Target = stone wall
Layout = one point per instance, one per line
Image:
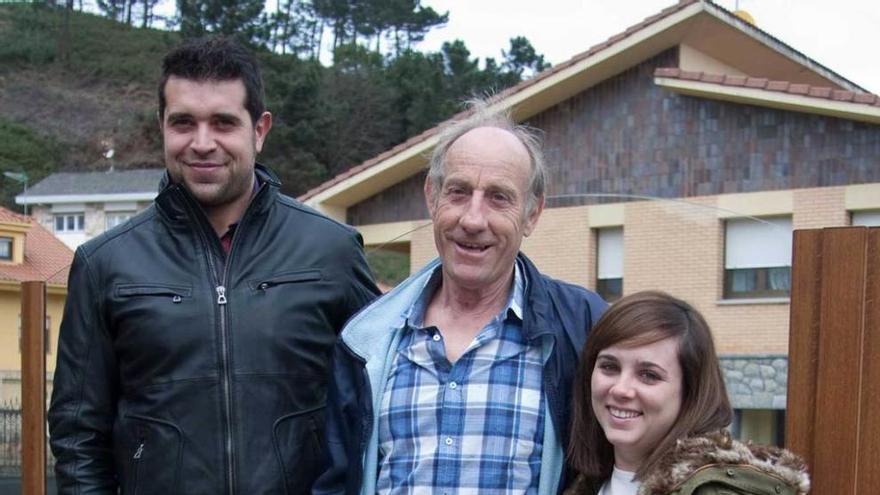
(756, 382)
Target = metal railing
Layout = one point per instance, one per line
(10, 439)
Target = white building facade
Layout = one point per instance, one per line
(77, 206)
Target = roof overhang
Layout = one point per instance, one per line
(764, 98)
(15, 286)
(18, 227)
(23, 199)
(701, 25)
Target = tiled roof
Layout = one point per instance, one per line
(46, 258)
(762, 83)
(647, 22)
(11, 216)
(102, 182)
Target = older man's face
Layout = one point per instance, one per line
(479, 212)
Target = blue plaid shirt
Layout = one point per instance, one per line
(473, 427)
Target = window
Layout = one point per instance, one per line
(866, 218)
(609, 258)
(118, 218)
(6, 248)
(765, 426)
(70, 222)
(757, 258)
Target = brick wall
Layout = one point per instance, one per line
(676, 246)
(819, 207)
(422, 249)
(562, 245)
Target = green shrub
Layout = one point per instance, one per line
(389, 266)
(22, 150)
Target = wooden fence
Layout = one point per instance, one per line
(833, 413)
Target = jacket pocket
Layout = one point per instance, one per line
(154, 457)
(293, 277)
(175, 292)
(299, 445)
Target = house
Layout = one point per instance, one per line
(28, 251)
(77, 206)
(683, 152)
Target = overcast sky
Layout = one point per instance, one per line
(843, 35)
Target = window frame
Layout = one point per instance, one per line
(127, 214)
(77, 218)
(609, 288)
(762, 285)
(10, 241)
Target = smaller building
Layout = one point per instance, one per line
(77, 206)
(27, 252)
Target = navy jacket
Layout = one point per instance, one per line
(556, 314)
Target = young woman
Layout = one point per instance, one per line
(650, 406)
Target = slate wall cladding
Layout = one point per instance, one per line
(756, 382)
(627, 136)
(402, 201)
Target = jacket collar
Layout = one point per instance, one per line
(538, 307)
(391, 310)
(175, 201)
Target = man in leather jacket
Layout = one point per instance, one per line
(195, 346)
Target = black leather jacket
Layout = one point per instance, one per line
(185, 371)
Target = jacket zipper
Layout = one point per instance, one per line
(225, 380)
(224, 342)
(137, 463)
(220, 289)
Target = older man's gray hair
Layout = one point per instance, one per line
(480, 115)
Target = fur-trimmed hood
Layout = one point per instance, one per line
(694, 455)
(701, 465)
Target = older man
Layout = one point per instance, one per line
(458, 380)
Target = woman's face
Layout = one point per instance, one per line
(637, 397)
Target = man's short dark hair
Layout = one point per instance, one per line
(215, 58)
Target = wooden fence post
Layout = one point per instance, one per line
(833, 411)
(33, 387)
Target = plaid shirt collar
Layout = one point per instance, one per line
(415, 315)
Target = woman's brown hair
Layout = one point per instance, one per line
(635, 320)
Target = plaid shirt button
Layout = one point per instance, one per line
(434, 437)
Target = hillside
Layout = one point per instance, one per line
(73, 84)
(56, 112)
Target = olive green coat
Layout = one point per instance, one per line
(718, 465)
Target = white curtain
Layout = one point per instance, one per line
(757, 244)
(610, 253)
(866, 218)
